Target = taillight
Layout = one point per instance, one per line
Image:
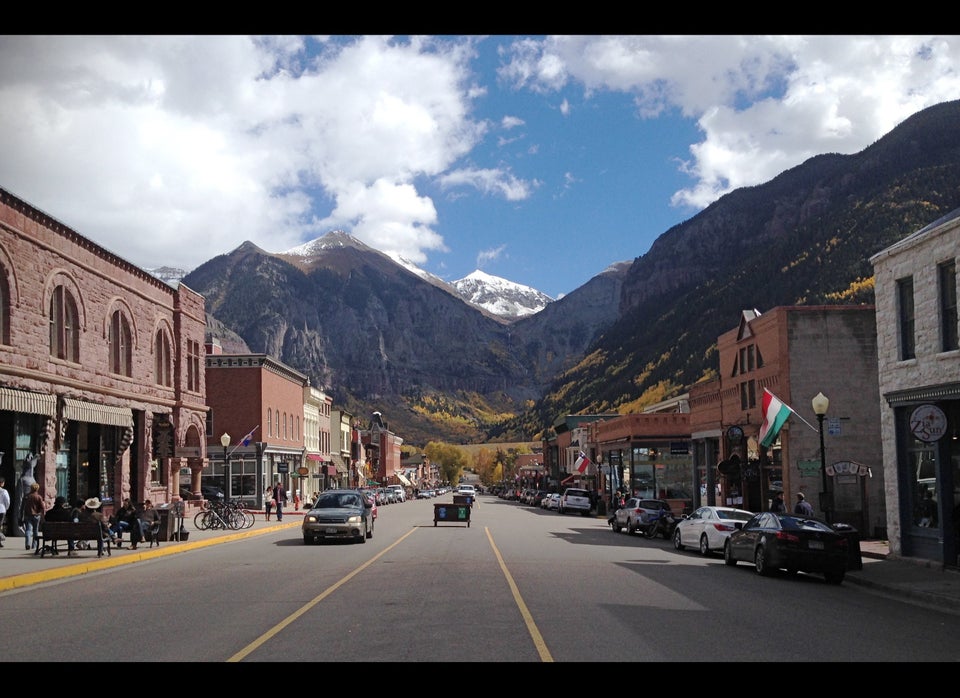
(724, 527)
(787, 537)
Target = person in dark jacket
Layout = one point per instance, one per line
(802, 506)
(778, 505)
(61, 511)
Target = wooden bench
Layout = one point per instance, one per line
(53, 531)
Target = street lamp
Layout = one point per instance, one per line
(225, 442)
(820, 404)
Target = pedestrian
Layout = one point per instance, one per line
(279, 499)
(4, 507)
(802, 506)
(32, 513)
(268, 503)
(778, 505)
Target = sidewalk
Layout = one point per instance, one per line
(914, 581)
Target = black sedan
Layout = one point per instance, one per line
(795, 543)
(343, 514)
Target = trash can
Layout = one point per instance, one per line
(168, 522)
(852, 535)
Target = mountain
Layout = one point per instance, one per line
(503, 298)
(379, 336)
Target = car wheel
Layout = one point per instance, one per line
(834, 577)
(677, 540)
(760, 561)
(307, 539)
(704, 545)
(728, 554)
(616, 527)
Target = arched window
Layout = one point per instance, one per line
(277, 422)
(4, 310)
(269, 422)
(121, 352)
(64, 329)
(161, 360)
(284, 425)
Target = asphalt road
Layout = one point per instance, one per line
(517, 585)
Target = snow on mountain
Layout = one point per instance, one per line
(500, 297)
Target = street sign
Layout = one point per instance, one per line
(283, 467)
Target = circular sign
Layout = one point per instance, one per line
(303, 470)
(928, 423)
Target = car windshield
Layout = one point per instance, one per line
(333, 501)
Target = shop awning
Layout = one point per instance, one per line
(342, 468)
(25, 401)
(315, 456)
(82, 411)
(404, 479)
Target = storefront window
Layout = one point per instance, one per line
(924, 488)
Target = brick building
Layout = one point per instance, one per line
(102, 391)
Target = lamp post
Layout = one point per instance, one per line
(225, 442)
(820, 404)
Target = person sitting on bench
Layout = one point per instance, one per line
(61, 511)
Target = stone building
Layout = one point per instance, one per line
(919, 383)
(102, 388)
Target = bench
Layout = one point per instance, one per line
(53, 531)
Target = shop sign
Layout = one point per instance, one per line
(928, 423)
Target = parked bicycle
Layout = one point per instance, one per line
(661, 523)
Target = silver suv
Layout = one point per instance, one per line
(575, 499)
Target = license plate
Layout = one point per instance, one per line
(333, 531)
(815, 544)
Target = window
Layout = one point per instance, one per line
(269, 422)
(118, 342)
(193, 365)
(161, 359)
(64, 329)
(948, 306)
(4, 310)
(748, 395)
(905, 302)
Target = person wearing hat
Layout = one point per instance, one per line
(61, 511)
(91, 511)
(802, 506)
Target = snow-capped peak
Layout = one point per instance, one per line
(500, 297)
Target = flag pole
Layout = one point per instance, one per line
(804, 420)
(249, 434)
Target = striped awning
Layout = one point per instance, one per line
(25, 401)
(342, 468)
(82, 411)
(404, 479)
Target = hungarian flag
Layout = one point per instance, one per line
(582, 462)
(775, 413)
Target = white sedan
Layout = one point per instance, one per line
(708, 528)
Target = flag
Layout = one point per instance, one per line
(775, 413)
(582, 462)
(248, 438)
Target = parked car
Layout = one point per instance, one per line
(708, 528)
(401, 494)
(343, 514)
(636, 512)
(575, 499)
(773, 541)
(372, 498)
(552, 501)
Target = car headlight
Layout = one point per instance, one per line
(354, 519)
(309, 519)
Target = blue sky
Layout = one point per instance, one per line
(539, 159)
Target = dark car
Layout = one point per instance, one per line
(343, 514)
(792, 542)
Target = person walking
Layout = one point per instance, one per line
(802, 506)
(33, 510)
(4, 507)
(279, 499)
(778, 505)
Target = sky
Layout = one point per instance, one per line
(538, 159)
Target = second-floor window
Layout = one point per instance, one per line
(64, 328)
(161, 359)
(908, 349)
(193, 366)
(748, 395)
(948, 306)
(121, 359)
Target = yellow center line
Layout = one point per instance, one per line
(524, 611)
